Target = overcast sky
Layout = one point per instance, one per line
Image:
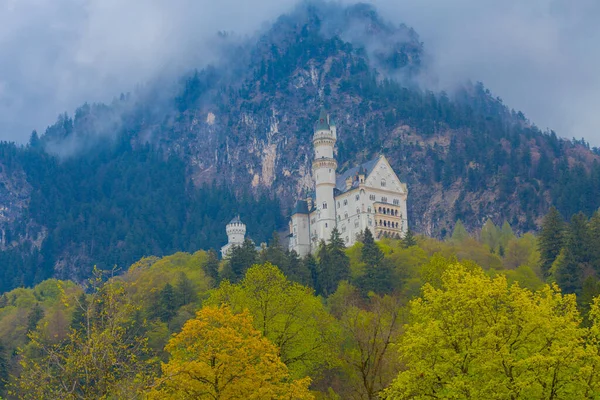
(539, 56)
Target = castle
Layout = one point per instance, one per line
(367, 196)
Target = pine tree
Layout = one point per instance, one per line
(551, 239)
(568, 272)
(35, 315)
(310, 264)
(242, 258)
(370, 254)
(297, 270)
(211, 266)
(459, 233)
(3, 368)
(409, 239)
(79, 320)
(167, 304)
(185, 291)
(578, 238)
(334, 265)
(594, 225)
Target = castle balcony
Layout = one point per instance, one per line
(388, 220)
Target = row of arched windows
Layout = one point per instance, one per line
(387, 224)
(388, 211)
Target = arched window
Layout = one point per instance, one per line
(324, 206)
(396, 213)
(357, 197)
(383, 183)
(358, 211)
(369, 209)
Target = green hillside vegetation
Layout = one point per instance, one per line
(362, 322)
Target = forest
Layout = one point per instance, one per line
(486, 315)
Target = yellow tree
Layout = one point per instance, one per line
(286, 313)
(476, 337)
(219, 355)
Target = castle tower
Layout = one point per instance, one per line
(324, 172)
(236, 232)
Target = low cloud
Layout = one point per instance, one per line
(540, 56)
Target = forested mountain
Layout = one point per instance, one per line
(163, 169)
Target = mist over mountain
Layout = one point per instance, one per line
(162, 168)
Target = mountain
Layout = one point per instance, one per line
(163, 169)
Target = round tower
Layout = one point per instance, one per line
(236, 231)
(324, 172)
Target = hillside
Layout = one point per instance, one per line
(164, 168)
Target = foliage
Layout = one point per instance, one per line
(220, 355)
(286, 313)
(478, 337)
(551, 239)
(105, 358)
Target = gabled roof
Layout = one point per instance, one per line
(367, 168)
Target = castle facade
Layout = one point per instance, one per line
(369, 195)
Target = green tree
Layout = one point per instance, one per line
(551, 239)
(211, 266)
(35, 315)
(167, 303)
(594, 229)
(80, 315)
(285, 312)
(477, 337)
(334, 265)
(409, 239)
(3, 368)
(459, 234)
(379, 274)
(185, 291)
(490, 235)
(241, 258)
(310, 263)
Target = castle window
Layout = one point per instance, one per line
(369, 209)
(372, 197)
(357, 211)
(396, 202)
(325, 224)
(370, 223)
(396, 213)
(383, 183)
(384, 199)
(345, 215)
(345, 202)
(357, 197)
(324, 206)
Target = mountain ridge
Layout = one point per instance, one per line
(242, 129)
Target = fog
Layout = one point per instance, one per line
(539, 56)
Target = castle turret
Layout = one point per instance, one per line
(324, 172)
(236, 232)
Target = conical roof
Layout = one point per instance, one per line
(235, 220)
(323, 122)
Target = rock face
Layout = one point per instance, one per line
(246, 124)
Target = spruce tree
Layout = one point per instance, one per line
(297, 270)
(167, 303)
(594, 225)
(211, 266)
(242, 258)
(185, 291)
(409, 239)
(310, 264)
(334, 264)
(79, 320)
(459, 233)
(551, 239)
(3, 368)
(370, 254)
(35, 315)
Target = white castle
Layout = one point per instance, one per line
(367, 196)
(236, 233)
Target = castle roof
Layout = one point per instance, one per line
(366, 168)
(301, 207)
(323, 122)
(235, 220)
